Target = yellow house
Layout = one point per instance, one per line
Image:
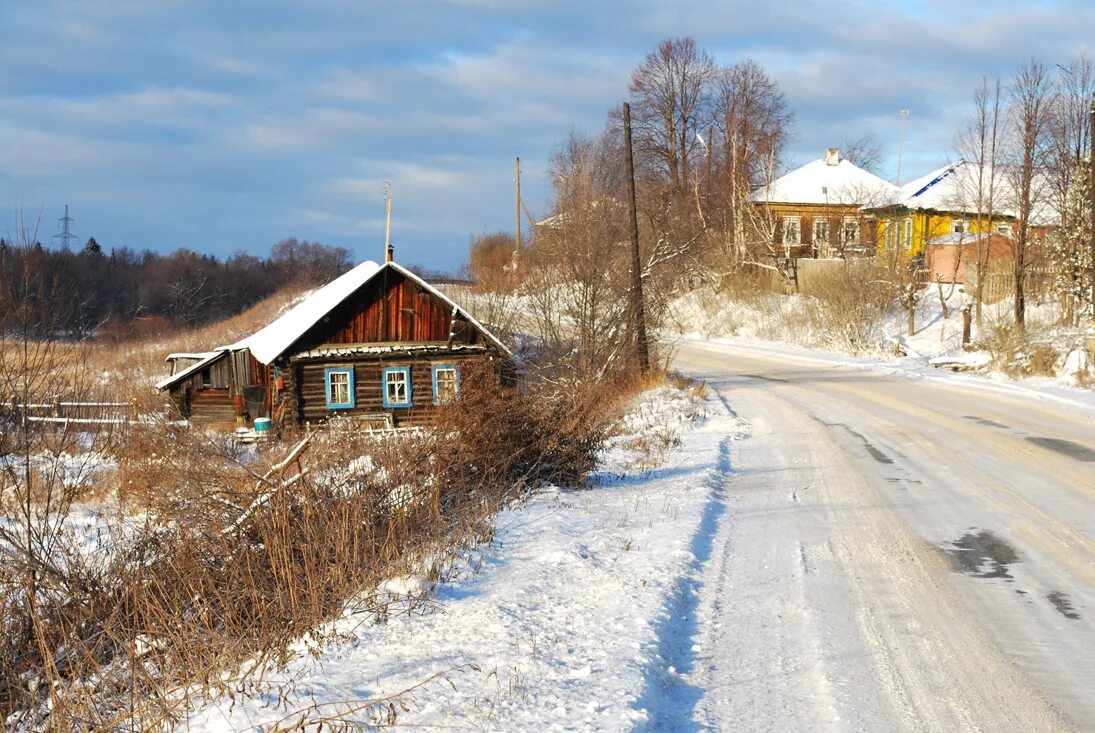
(935, 205)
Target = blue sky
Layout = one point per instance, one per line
(228, 126)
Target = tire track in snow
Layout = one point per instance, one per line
(669, 697)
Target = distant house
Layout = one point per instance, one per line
(820, 209)
(377, 343)
(938, 204)
(943, 206)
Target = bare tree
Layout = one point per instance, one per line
(1029, 118)
(865, 151)
(979, 144)
(752, 125)
(576, 277)
(670, 103)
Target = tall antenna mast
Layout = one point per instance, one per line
(66, 234)
(387, 221)
(901, 143)
(517, 202)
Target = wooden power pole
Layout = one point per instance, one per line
(1091, 195)
(637, 314)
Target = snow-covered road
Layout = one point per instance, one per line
(893, 554)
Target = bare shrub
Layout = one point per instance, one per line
(242, 553)
(1029, 352)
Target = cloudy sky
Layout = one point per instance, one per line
(167, 124)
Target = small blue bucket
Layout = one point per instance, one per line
(262, 424)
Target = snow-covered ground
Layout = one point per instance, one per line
(578, 616)
(777, 324)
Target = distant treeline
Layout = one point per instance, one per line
(121, 292)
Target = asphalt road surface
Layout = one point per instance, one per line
(896, 554)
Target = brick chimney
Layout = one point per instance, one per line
(389, 255)
(832, 156)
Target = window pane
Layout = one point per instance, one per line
(338, 388)
(395, 385)
(446, 384)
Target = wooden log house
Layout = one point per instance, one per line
(377, 343)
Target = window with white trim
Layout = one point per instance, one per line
(792, 232)
(851, 230)
(446, 384)
(958, 226)
(890, 234)
(397, 387)
(821, 231)
(908, 233)
(339, 384)
(1004, 228)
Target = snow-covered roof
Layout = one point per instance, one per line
(272, 341)
(189, 355)
(209, 358)
(954, 188)
(826, 182)
(956, 238)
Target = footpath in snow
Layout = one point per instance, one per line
(579, 615)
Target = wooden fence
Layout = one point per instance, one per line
(58, 412)
(1038, 282)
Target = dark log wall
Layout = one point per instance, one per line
(212, 408)
(405, 313)
(306, 397)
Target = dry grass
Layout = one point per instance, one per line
(233, 556)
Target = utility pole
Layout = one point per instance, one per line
(637, 314)
(517, 204)
(901, 142)
(1091, 195)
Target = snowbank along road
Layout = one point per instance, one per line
(893, 554)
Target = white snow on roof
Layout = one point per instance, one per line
(210, 357)
(189, 355)
(268, 343)
(271, 342)
(820, 183)
(954, 188)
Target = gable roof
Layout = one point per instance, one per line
(275, 339)
(953, 188)
(270, 342)
(819, 182)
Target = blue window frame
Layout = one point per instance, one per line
(397, 387)
(446, 383)
(339, 386)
